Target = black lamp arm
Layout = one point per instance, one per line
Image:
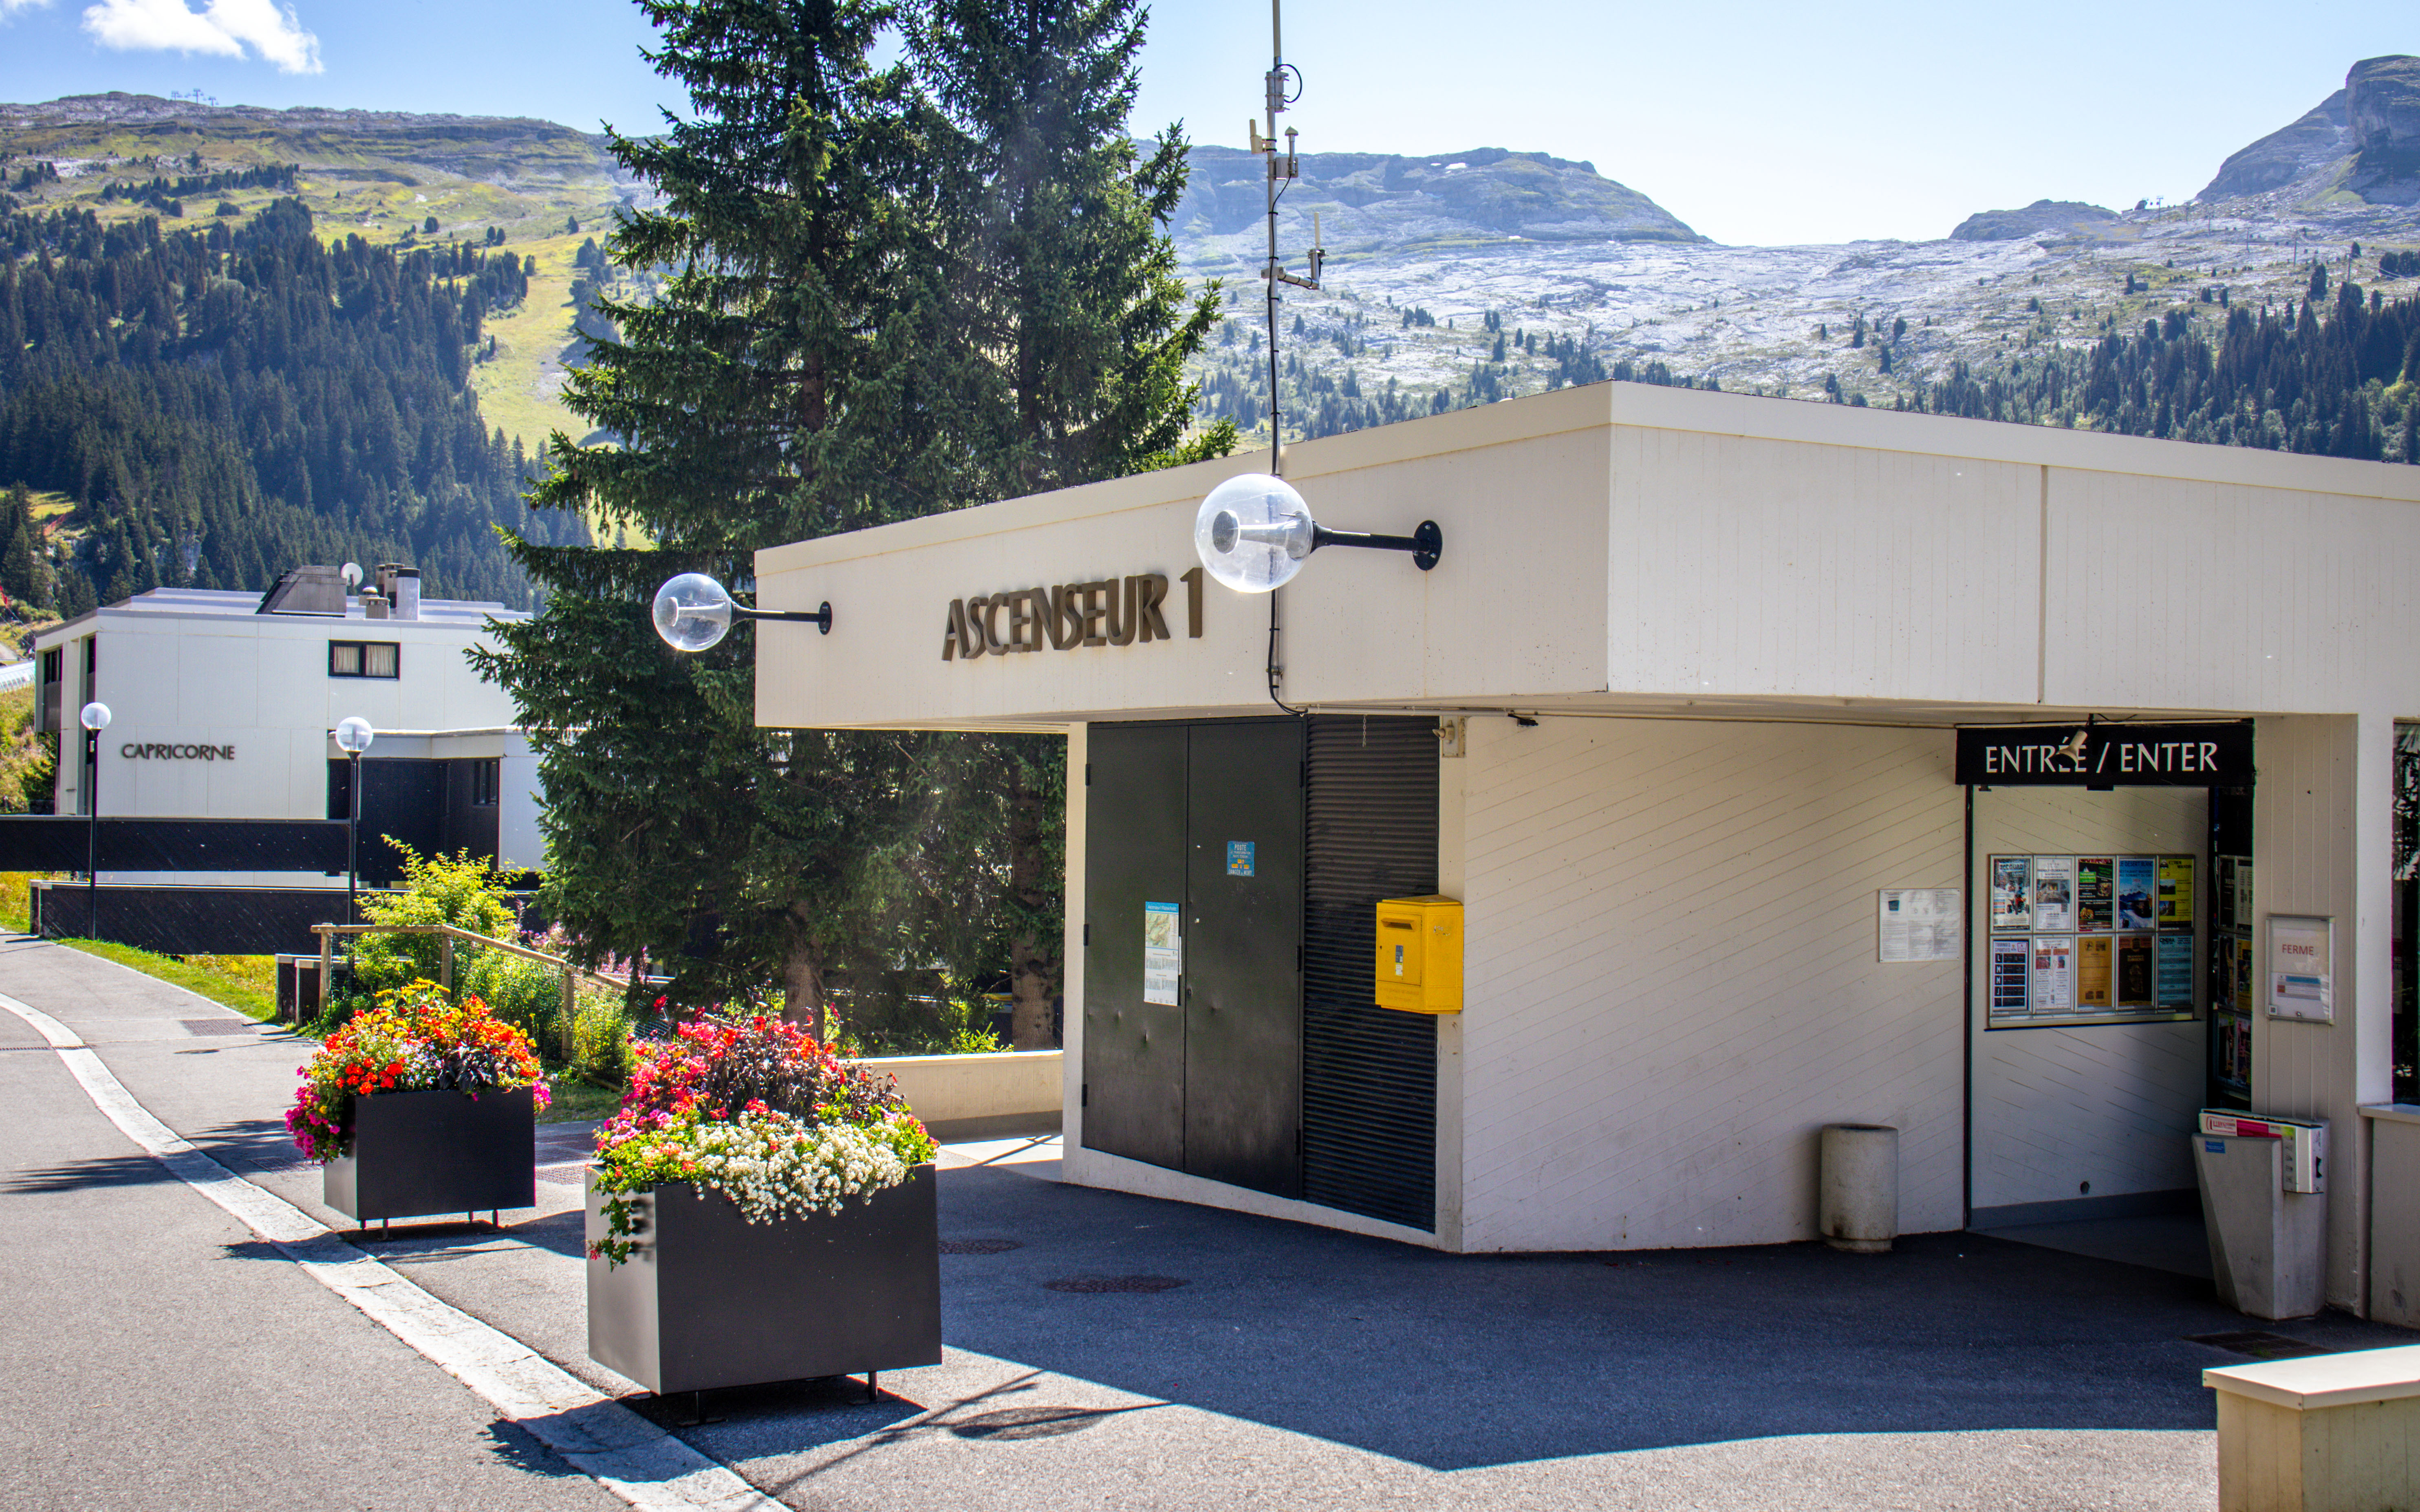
(821, 619)
(1426, 545)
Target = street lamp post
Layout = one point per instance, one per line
(95, 718)
(353, 736)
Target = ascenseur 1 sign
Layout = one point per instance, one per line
(1107, 611)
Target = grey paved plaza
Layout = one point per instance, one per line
(162, 1356)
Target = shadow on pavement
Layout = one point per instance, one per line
(99, 1171)
(1460, 1360)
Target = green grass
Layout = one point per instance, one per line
(574, 1101)
(216, 978)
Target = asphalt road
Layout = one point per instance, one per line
(168, 1360)
(158, 1357)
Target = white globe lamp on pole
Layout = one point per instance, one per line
(353, 736)
(95, 718)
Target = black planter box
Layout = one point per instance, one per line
(420, 1153)
(709, 1300)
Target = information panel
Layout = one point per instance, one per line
(2079, 938)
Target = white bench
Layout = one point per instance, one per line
(2327, 1433)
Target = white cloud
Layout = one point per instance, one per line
(9, 8)
(224, 27)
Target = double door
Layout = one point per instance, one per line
(1195, 1063)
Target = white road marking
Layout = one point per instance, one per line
(625, 1453)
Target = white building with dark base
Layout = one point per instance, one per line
(223, 706)
(1725, 720)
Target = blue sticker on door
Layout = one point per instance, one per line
(1239, 857)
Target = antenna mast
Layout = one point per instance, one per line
(1287, 168)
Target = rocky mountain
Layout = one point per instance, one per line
(2058, 216)
(2364, 140)
(1452, 278)
(1371, 202)
(1430, 312)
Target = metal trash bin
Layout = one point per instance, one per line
(1857, 1206)
(2264, 1205)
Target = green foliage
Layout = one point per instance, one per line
(28, 760)
(526, 993)
(601, 1027)
(459, 891)
(875, 302)
(2340, 382)
(253, 398)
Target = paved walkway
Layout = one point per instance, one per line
(1289, 1367)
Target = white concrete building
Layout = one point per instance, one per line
(1677, 718)
(222, 707)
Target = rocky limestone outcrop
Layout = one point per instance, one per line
(2368, 130)
(2382, 112)
(1369, 201)
(2067, 217)
(2315, 141)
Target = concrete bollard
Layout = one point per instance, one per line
(1857, 1207)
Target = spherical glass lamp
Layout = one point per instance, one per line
(692, 611)
(354, 734)
(95, 716)
(1253, 531)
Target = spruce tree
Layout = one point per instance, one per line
(1054, 237)
(21, 559)
(768, 394)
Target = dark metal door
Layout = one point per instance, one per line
(1243, 1011)
(1134, 854)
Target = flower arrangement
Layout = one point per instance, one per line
(415, 1041)
(754, 1108)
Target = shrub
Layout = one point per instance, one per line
(459, 890)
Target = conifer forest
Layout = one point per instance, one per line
(223, 403)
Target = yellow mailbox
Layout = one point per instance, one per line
(1420, 955)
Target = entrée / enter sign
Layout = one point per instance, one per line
(1108, 611)
(2108, 755)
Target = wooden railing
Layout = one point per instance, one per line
(447, 935)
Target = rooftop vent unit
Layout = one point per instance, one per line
(400, 586)
(307, 590)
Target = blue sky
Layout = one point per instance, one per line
(1755, 121)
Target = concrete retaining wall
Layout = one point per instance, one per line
(962, 1097)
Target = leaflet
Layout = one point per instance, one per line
(2053, 974)
(2096, 893)
(2013, 893)
(2012, 967)
(2176, 972)
(2054, 894)
(2136, 970)
(2095, 987)
(2175, 905)
(2137, 881)
(1163, 955)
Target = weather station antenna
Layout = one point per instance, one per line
(1284, 87)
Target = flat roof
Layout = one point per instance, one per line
(222, 603)
(1625, 548)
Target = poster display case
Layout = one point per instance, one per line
(2231, 988)
(2092, 939)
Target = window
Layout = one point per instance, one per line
(364, 658)
(484, 780)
